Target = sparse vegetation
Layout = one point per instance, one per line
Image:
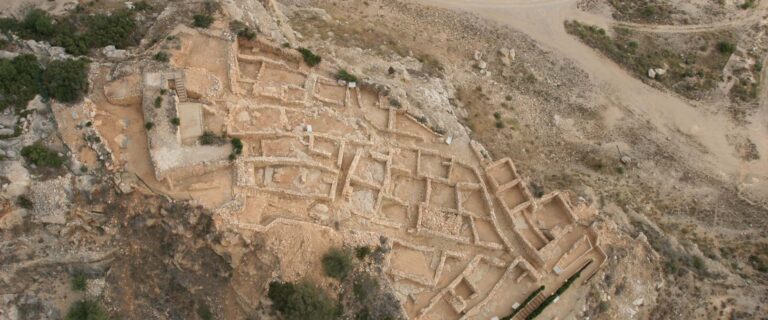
(175, 121)
(158, 101)
(396, 103)
(748, 4)
(691, 73)
(41, 156)
(641, 11)
(310, 58)
(149, 125)
(337, 263)
(208, 138)
(242, 30)
(78, 282)
(202, 20)
(345, 76)
(302, 301)
(86, 310)
(162, 56)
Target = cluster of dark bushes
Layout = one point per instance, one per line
(366, 300)
(23, 77)
(76, 33)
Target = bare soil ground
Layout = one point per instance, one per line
(570, 133)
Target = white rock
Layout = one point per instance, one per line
(478, 55)
(638, 302)
(651, 73)
(482, 65)
(660, 71)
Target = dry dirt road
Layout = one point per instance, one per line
(543, 20)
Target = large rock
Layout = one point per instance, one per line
(43, 49)
(652, 73)
(115, 54)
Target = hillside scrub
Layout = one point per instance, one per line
(692, 64)
(304, 300)
(77, 33)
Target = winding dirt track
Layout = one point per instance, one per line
(671, 115)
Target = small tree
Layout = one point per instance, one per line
(726, 47)
(175, 121)
(41, 156)
(202, 20)
(66, 80)
(337, 263)
(158, 102)
(310, 57)
(237, 145)
(86, 310)
(345, 76)
(162, 56)
(149, 125)
(302, 301)
(78, 282)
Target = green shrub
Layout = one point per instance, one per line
(78, 282)
(748, 4)
(758, 66)
(345, 76)
(310, 58)
(362, 252)
(141, 6)
(337, 263)
(25, 203)
(149, 125)
(499, 124)
(20, 81)
(202, 20)
(162, 56)
(38, 23)
(237, 145)
(117, 29)
(41, 156)
(208, 138)
(302, 301)
(158, 102)
(175, 121)
(497, 115)
(86, 310)
(66, 80)
(204, 312)
(242, 30)
(725, 47)
(396, 103)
